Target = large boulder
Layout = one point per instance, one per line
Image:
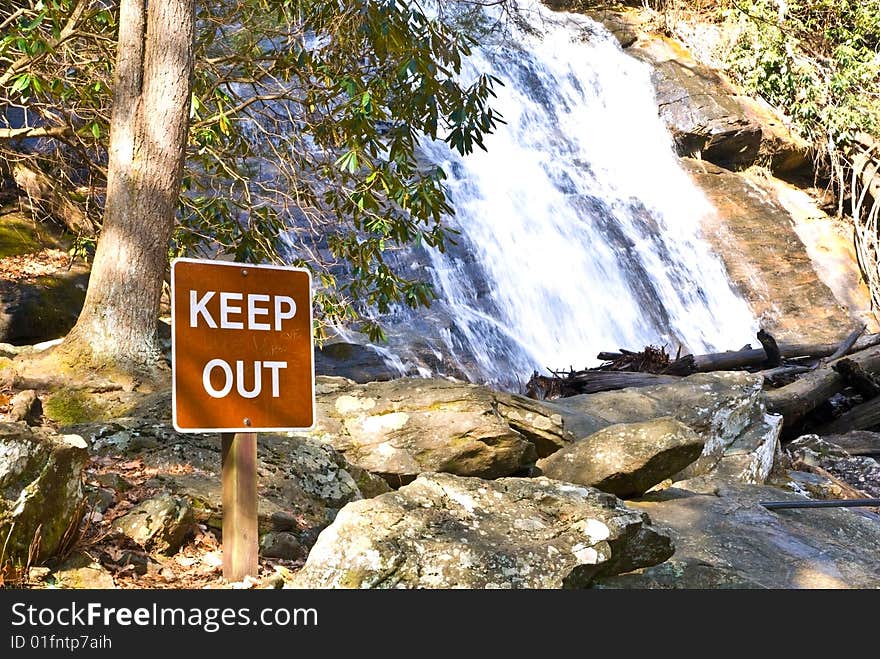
(405, 427)
(724, 537)
(720, 407)
(444, 531)
(626, 459)
(43, 307)
(40, 489)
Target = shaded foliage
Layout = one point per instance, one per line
(305, 124)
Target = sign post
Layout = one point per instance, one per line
(242, 362)
(239, 480)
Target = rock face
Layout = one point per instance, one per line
(725, 537)
(766, 260)
(699, 108)
(42, 308)
(40, 487)
(443, 531)
(405, 427)
(720, 407)
(352, 361)
(302, 481)
(161, 523)
(626, 459)
(751, 457)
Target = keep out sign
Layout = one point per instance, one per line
(242, 350)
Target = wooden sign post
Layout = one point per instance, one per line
(242, 362)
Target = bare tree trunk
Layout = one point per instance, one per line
(117, 326)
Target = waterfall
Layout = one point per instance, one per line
(579, 231)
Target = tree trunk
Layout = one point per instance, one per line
(117, 326)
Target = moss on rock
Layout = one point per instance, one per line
(68, 407)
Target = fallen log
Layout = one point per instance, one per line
(795, 400)
(855, 376)
(847, 344)
(860, 417)
(857, 442)
(753, 357)
(592, 382)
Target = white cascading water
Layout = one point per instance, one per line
(580, 232)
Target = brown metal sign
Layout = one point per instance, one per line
(242, 350)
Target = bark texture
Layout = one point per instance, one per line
(117, 327)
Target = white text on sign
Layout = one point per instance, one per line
(282, 308)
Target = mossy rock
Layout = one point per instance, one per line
(40, 489)
(70, 406)
(18, 236)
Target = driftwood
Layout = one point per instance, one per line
(768, 343)
(591, 382)
(806, 376)
(857, 442)
(795, 400)
(756, 357)
(848, 343)
(861, 417)
(864, 383)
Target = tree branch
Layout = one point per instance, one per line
(35, 131)
(66, 32)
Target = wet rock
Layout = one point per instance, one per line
(353, 361)
(624, 25)
(43, 308)
(679, 575)
(26, 407)
(767, 261)
(40, 487)
(626, 459)
(405, 427)
(699, 107)
(445, 531)
(160, 523)
(720, 524)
